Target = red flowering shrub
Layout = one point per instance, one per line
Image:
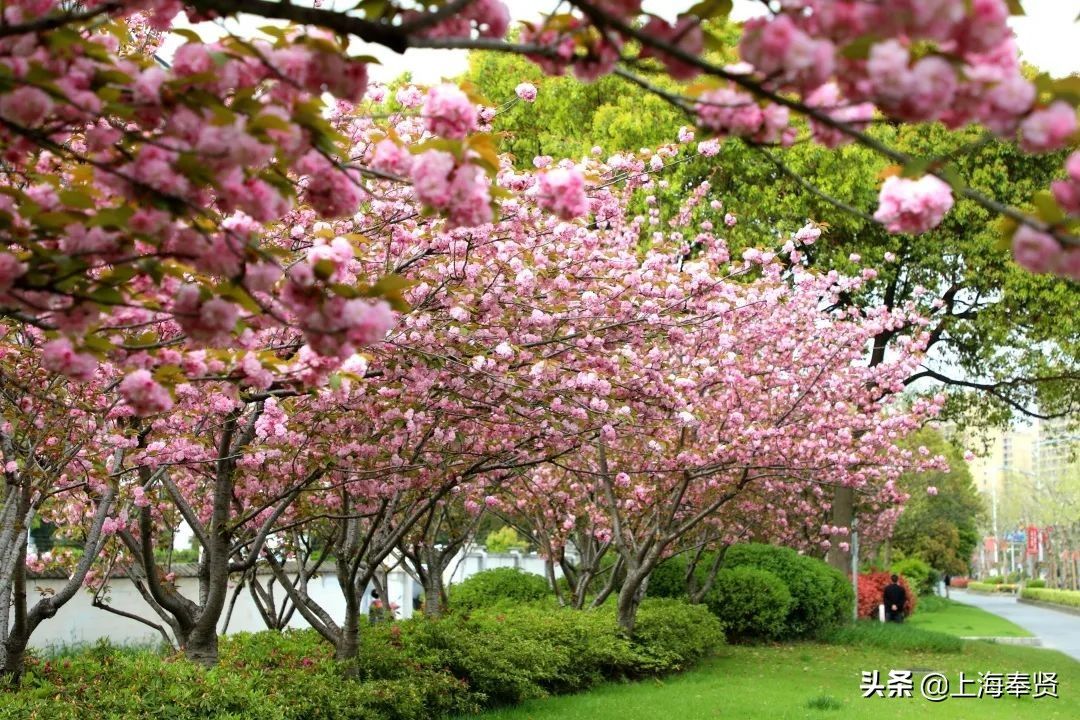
(871, 588)
(959, 582)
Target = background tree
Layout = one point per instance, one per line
(941, 519)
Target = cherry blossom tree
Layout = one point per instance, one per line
(293, 312)
(54, 460)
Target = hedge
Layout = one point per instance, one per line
(991, 587)
(750, 602)
(498, 586)
(872, 593)
(411, 670)
(918, 573)
(1069, 598)
(821, 595)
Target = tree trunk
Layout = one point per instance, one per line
(201, 646)
(843, 512)
(433, 590)
(14, 659)
(347, 646)
(19, 634)
(630, 597)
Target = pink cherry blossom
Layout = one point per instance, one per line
(562, 190)
(448, 112)
(27, 106)
(1048, 129)
(913, 206)
(59, 356)
(1035, 251)
(144, 394)
(526, 91)
(685, 34)
(10, 271)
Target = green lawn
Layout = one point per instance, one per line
(810, 680)
(955, 618)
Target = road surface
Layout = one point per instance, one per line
(1056, 630)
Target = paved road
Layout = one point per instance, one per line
(1056, 630)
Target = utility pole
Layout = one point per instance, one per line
(855, 566)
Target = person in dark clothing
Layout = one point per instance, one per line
(895, 598)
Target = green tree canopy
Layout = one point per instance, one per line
(940, 529)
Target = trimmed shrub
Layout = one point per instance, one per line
(498, 586)
(919, 574)
(671, 635)
(750, 603)
(843, 595)
(1035, 584)
(418, 669)
(668, 579)
(934, 603)
(994, 580)
(872, 593)
(992, 587)
(504, 540)
(1070, 598)
(959, 582)
(821, 596)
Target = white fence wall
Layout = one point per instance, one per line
(79, 622)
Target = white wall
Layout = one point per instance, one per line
(79, 622)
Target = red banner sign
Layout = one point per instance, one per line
(1032, 540)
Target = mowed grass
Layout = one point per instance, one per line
(817, 680)
(953, 618)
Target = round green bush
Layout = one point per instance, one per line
(497, 586)
(842, 598)
(819, 599)
(1035, 584)
(918, 573)
(751, 603)
(668, 579)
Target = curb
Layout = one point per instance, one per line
(1026, 641)
(1049, 605)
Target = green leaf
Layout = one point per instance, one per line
(391, 285)
(346, 291)
(859, 49)
(98, 343)
(189, 35)
(239, 295)
(1015, 7)
(146, 339)
(106, 295)
(194, 168)
(76, 198)
(268, 121)
(119, 275)
(915, 168)
(116, 217)
(1047, 209)
(56, 220)
(711, 9)
(324, 269)
(170, 375)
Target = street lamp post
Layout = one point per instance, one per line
(855, 565)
